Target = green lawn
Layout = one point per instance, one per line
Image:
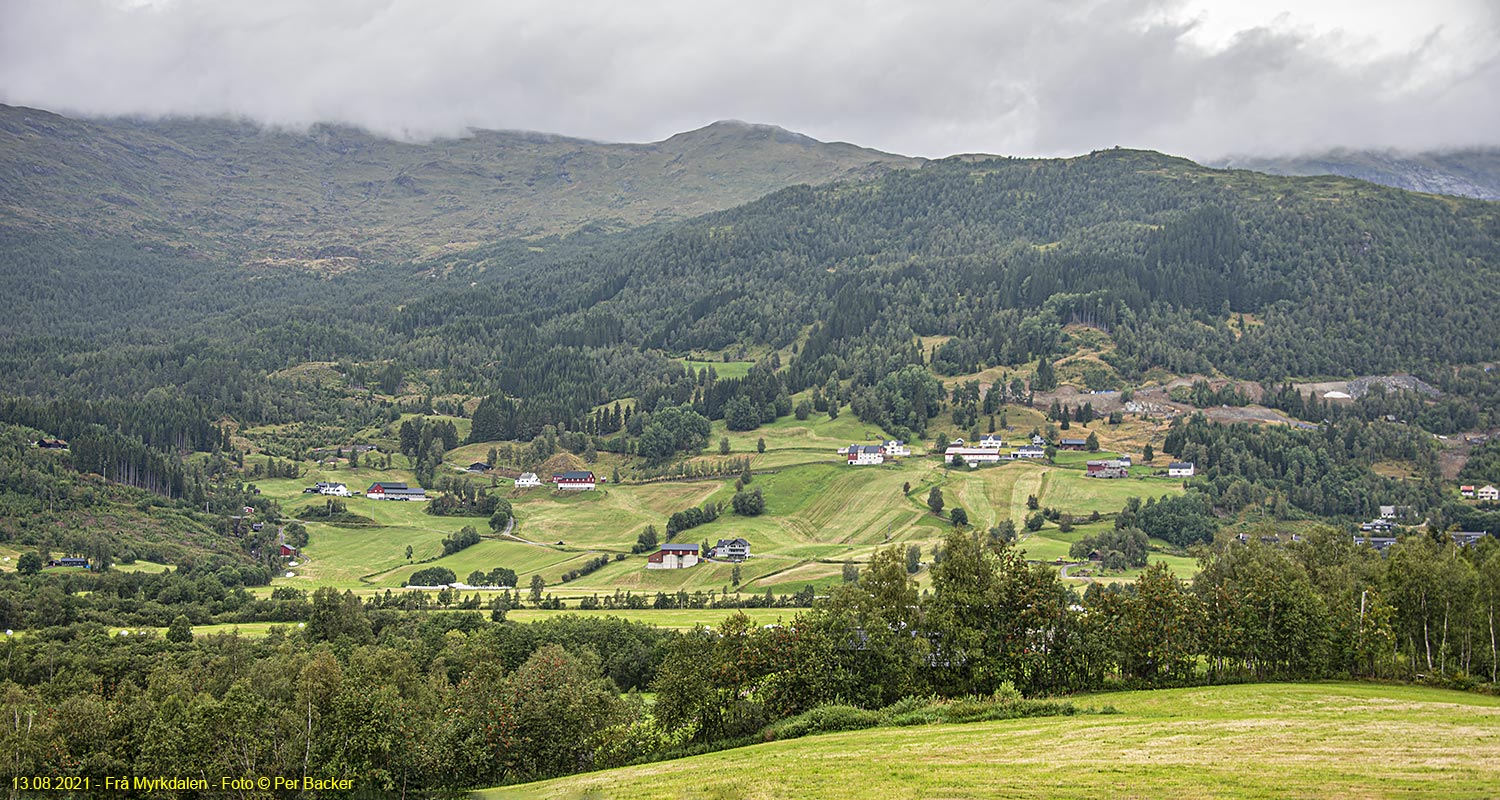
(1337, 740)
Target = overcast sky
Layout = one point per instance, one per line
(1201, 78)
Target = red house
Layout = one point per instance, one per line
(287, 550)
(575, 480)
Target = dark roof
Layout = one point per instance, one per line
(679, 548)
(479, 465)
(575, 475)
(726, 542)
(1075, 441)
(1180, 465)
(387, 485)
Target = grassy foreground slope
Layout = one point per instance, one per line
(1260, 740)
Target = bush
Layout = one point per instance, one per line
(467, 537)
(431, 576)
(824, 719)
(749, 504)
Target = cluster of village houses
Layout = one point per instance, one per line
(670, 556)
(993, 449)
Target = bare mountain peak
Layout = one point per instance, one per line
(726, 130)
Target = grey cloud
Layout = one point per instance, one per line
(1021, 76)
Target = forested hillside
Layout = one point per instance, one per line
(1188, 269)
(333, 197)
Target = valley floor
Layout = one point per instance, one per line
(1327, 740)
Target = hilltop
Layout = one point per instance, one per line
(233, 189)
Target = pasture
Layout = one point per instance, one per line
(820, 513)
(1340, 740)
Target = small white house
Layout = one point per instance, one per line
(1030, 451)
(1181, 469)
(333, 489)
(992, 440)
(731, 550)
(528, 480)
(1488, 493)
(896, 448)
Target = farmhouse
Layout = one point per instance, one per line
(395, 491)
(731, 550)
(992, 440)
(1107, 469)
(1073, 444)
(1466, 538)
(1466, 491)
(972, 455)
(52, 444)
(896, 448)
(1488, 493)
(528, 480)
(1387, 512)
(860, 455)
(287, 550)
(479, 466)
(1182, 469)
(69, 562)
(1039, 440)
(1378, 542)
(1030, 451)
(673, 556)
(575, 481)
(334, 489)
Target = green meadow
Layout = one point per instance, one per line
(1332, 740)
(820, 514)
(722, 369)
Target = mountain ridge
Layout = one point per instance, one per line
(253, 193)
(1464, 172)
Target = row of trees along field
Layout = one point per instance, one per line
(349, 694)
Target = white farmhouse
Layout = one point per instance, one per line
(528, 480)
